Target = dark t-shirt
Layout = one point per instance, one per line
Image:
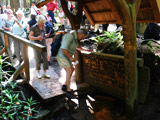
(152, 31)
(32, 22)
(38, 32)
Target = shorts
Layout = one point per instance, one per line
(63, 62)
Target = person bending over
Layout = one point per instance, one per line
(65, 56)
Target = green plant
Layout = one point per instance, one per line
(109, 41)
(13, 105)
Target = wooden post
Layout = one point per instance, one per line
(6, 42)
(78, 68)
(129, 15)
(75, 20)
(7, 47)
(26, 63)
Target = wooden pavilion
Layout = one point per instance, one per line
(124, 12)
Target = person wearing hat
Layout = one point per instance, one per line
(65, 56)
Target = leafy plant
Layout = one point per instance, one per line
(109, 41)
(13, 105)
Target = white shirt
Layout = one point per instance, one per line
(33, 10)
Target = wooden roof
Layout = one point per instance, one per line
(104, 11)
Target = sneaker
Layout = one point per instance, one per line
(46, 76)
(39, 76)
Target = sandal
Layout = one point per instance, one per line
(64, 88)
(71, 91)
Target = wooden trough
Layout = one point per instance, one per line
(106, 72)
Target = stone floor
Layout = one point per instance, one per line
(48, 88)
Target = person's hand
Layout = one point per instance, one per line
(47, 35)
(40, 37)
(10, 29)
(72, 59)
(15, 20)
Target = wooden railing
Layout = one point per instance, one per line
(24, 66)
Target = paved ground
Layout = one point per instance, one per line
(47, 88)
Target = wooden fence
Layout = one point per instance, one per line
(24, 66)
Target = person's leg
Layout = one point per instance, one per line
(45, 64)
(51, 14)
(17, 50)
(38, 62)
(48, 44)
(69, 72)
(22, 51)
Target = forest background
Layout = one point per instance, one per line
(16, 4)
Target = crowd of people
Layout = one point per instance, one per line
(39, 29)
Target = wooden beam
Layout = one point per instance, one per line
(114, 10)
(44, 2)
(154, 5)
(16, 73)
(23, 41)
(93, 1)
(101, 12)
(75, 20)
(3, 50)
(145, 8)
(147, 21)
(89, 17)
(26, 63)
(106, 22)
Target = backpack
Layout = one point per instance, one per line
(56, 44)
(49, 28)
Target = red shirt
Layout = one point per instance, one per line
(51, 6)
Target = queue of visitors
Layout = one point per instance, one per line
(39, 29)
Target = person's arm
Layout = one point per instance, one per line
(8, 29)
(82, 49)
(31, 37)
(66, 53)
(18, 23)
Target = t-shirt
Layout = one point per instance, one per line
(69, 43)
(51, 6)
(38, 32)
(19, 31)
(32, 22)
(8, 23)
(34, 10)
(152, 31)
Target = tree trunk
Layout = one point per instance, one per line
(7, 3)
(30, 2)
(17, 5)
(12, 5)
(75, 20)
(129, 14)
(25, 4)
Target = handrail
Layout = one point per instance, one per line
(25, 41)
(24, 66)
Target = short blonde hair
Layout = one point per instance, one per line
(41, 19)
(20, 12)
